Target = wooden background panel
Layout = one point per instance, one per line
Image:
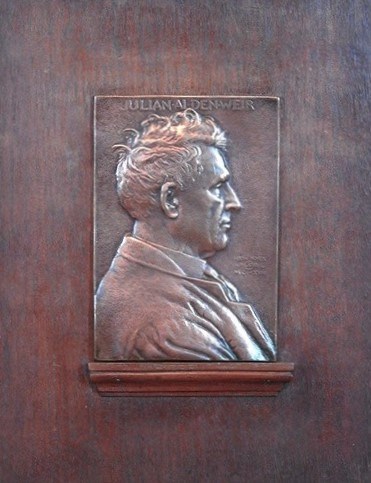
(55, 56)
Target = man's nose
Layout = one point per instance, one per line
(232, 201)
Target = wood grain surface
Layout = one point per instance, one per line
(56, 55)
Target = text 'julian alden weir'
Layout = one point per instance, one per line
(234, 104)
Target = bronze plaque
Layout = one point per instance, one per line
(186, 228)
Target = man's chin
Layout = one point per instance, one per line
(221, 242)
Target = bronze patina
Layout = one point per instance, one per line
(160, 299)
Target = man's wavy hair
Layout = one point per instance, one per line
(165, 149)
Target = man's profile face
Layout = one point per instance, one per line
(205, 206)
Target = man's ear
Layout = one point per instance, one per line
(169, 200)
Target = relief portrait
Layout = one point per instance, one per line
(161, 298)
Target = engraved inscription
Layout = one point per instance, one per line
(255, 265)
(199, 104)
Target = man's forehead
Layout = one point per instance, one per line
(213, 161)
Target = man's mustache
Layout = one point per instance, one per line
(225, 220)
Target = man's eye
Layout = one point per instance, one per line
(219, 185)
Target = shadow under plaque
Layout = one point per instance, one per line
(186, 246)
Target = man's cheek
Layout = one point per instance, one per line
(216, 209)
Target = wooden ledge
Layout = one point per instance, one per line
(190, 379)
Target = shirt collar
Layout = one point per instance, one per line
(190, 266)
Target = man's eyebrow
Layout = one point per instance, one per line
(224, 177)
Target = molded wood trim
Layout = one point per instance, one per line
(190, 379)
